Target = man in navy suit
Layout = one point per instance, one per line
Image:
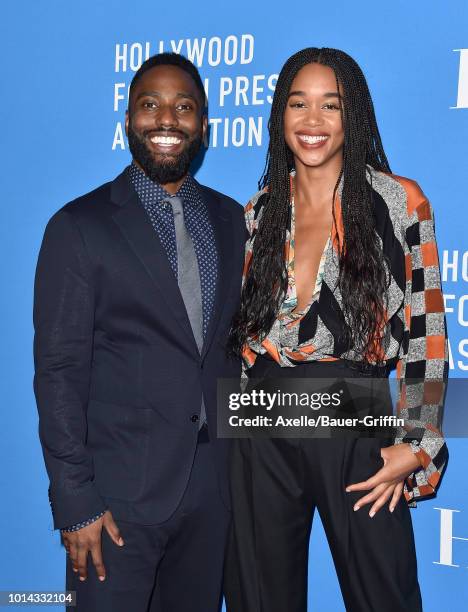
(136, 286)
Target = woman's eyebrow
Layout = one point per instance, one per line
(329, 94)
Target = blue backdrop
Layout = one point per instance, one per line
(65, 72)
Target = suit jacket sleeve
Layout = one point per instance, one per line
(422, 369)
(63, 344)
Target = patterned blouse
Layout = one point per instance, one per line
(414, 339)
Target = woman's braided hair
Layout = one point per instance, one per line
(362, 276)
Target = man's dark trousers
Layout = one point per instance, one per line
(186, 551)
(119, 381)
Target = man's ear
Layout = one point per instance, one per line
(204, 126)
(126, 122)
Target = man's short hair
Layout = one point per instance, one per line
(170, 59)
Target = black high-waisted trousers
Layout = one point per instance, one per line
(276, 485)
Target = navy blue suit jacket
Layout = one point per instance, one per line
(118, 377)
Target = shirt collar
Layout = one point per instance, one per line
(146, 188)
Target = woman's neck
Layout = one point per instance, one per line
(314, 186)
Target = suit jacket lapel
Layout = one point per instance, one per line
(135, 225)
(220, 220)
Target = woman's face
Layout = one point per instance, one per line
(313, 128)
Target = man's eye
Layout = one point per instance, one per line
(149, 105)
(185, 107)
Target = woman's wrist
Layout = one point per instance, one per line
(416, 450)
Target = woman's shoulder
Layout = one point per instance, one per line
(255, 202)
(253, 208)
(401, 194)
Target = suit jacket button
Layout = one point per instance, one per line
(194, 418)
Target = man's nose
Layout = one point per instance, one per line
(167, 116)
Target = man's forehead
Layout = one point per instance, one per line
(163, 73)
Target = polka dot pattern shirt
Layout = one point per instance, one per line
(197, 222)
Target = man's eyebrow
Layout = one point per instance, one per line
(329, 94)
(157, 94)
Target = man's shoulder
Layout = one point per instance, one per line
(90, 202)
(88, 209)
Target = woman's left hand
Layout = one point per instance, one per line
(399, 462)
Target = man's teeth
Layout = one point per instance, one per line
(312, 139)
(165, 140)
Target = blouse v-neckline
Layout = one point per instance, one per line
(290, 302)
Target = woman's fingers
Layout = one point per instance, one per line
(396, 496)
(378, 478)
(370, 497)
(380, 501)
(380, 495)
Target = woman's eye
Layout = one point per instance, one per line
(297, 105)
(331, 106)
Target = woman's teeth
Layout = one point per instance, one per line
(312, 139)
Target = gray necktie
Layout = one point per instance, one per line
(188, 279)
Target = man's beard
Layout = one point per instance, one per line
(171, 168)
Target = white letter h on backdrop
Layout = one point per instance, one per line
(447, 537)
(462, 96)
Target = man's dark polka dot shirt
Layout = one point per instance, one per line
(197, 222)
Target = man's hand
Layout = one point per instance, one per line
(399, 462)
(88, 540)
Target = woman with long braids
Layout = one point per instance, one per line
(341, 279)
